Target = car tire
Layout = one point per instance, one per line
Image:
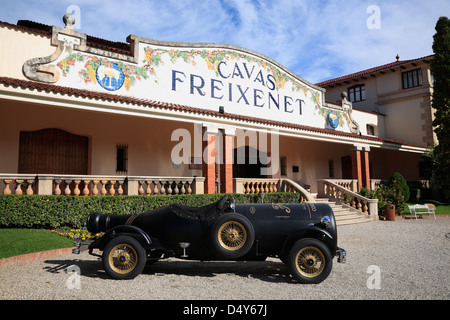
(124, 258)
(232, 236)
(309, 261)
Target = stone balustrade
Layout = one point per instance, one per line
(413, 184)
(84, 185)
(337, 192)
(166, 185)
(248, 185)
(251, 186)
(19, 184)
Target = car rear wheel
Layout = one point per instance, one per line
(309, 261)
(232, 236)
(124, 258)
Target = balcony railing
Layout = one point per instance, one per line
(93, 185)
(84, 185)
(413, 184)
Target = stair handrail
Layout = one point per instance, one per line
(298, 188)
(350, 198)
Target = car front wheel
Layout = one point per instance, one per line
(309, 261)
(124, 258)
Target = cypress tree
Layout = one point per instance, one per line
(440, 68)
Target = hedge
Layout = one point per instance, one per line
(51, 211)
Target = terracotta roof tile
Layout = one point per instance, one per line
(39, 31)
(46, 30)
(370, 71)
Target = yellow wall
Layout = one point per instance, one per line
(408, 113)
(149, 145)
(17, 47)
(149, 141)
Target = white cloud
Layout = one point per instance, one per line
(317, 39)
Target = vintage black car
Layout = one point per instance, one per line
(302, 235)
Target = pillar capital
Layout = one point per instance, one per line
(210, 128)
(229, 131)
(361, 147)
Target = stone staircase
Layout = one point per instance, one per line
(345, 215)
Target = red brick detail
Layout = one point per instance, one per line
(366, 172)
(226, 168)
(33, 256)
(209, 163)
(356, 167)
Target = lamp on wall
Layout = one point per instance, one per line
(221, 109)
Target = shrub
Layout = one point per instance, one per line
(395, 192)
(366, 193)
(397, 181)
(51, 211)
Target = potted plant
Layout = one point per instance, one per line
(391, 201)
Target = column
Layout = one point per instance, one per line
(366, 170)
(44, 184)
(356, 167)
(209, 159)
(226, 167)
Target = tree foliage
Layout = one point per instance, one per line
(440, 68)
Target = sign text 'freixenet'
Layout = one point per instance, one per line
(225, 87)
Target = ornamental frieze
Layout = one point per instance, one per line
(207, 76)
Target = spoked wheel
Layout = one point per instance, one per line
(310, 261)
(232, 236)
(124, 258)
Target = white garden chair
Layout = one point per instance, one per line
(418, 209)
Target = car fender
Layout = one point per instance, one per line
(310, 231)
(140, 235)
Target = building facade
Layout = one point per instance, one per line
(83, 115)
(400, 91)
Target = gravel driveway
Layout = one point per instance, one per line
(386, 260)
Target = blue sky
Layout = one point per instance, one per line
(316, 39)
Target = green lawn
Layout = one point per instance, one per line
(20, 241)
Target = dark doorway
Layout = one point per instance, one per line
(247, 163)
(346, 163)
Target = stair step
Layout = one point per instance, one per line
(343, 214)
(353, 221)
(348, 215)
(340, 209)
(321, 200)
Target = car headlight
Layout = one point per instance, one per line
(326, 221)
